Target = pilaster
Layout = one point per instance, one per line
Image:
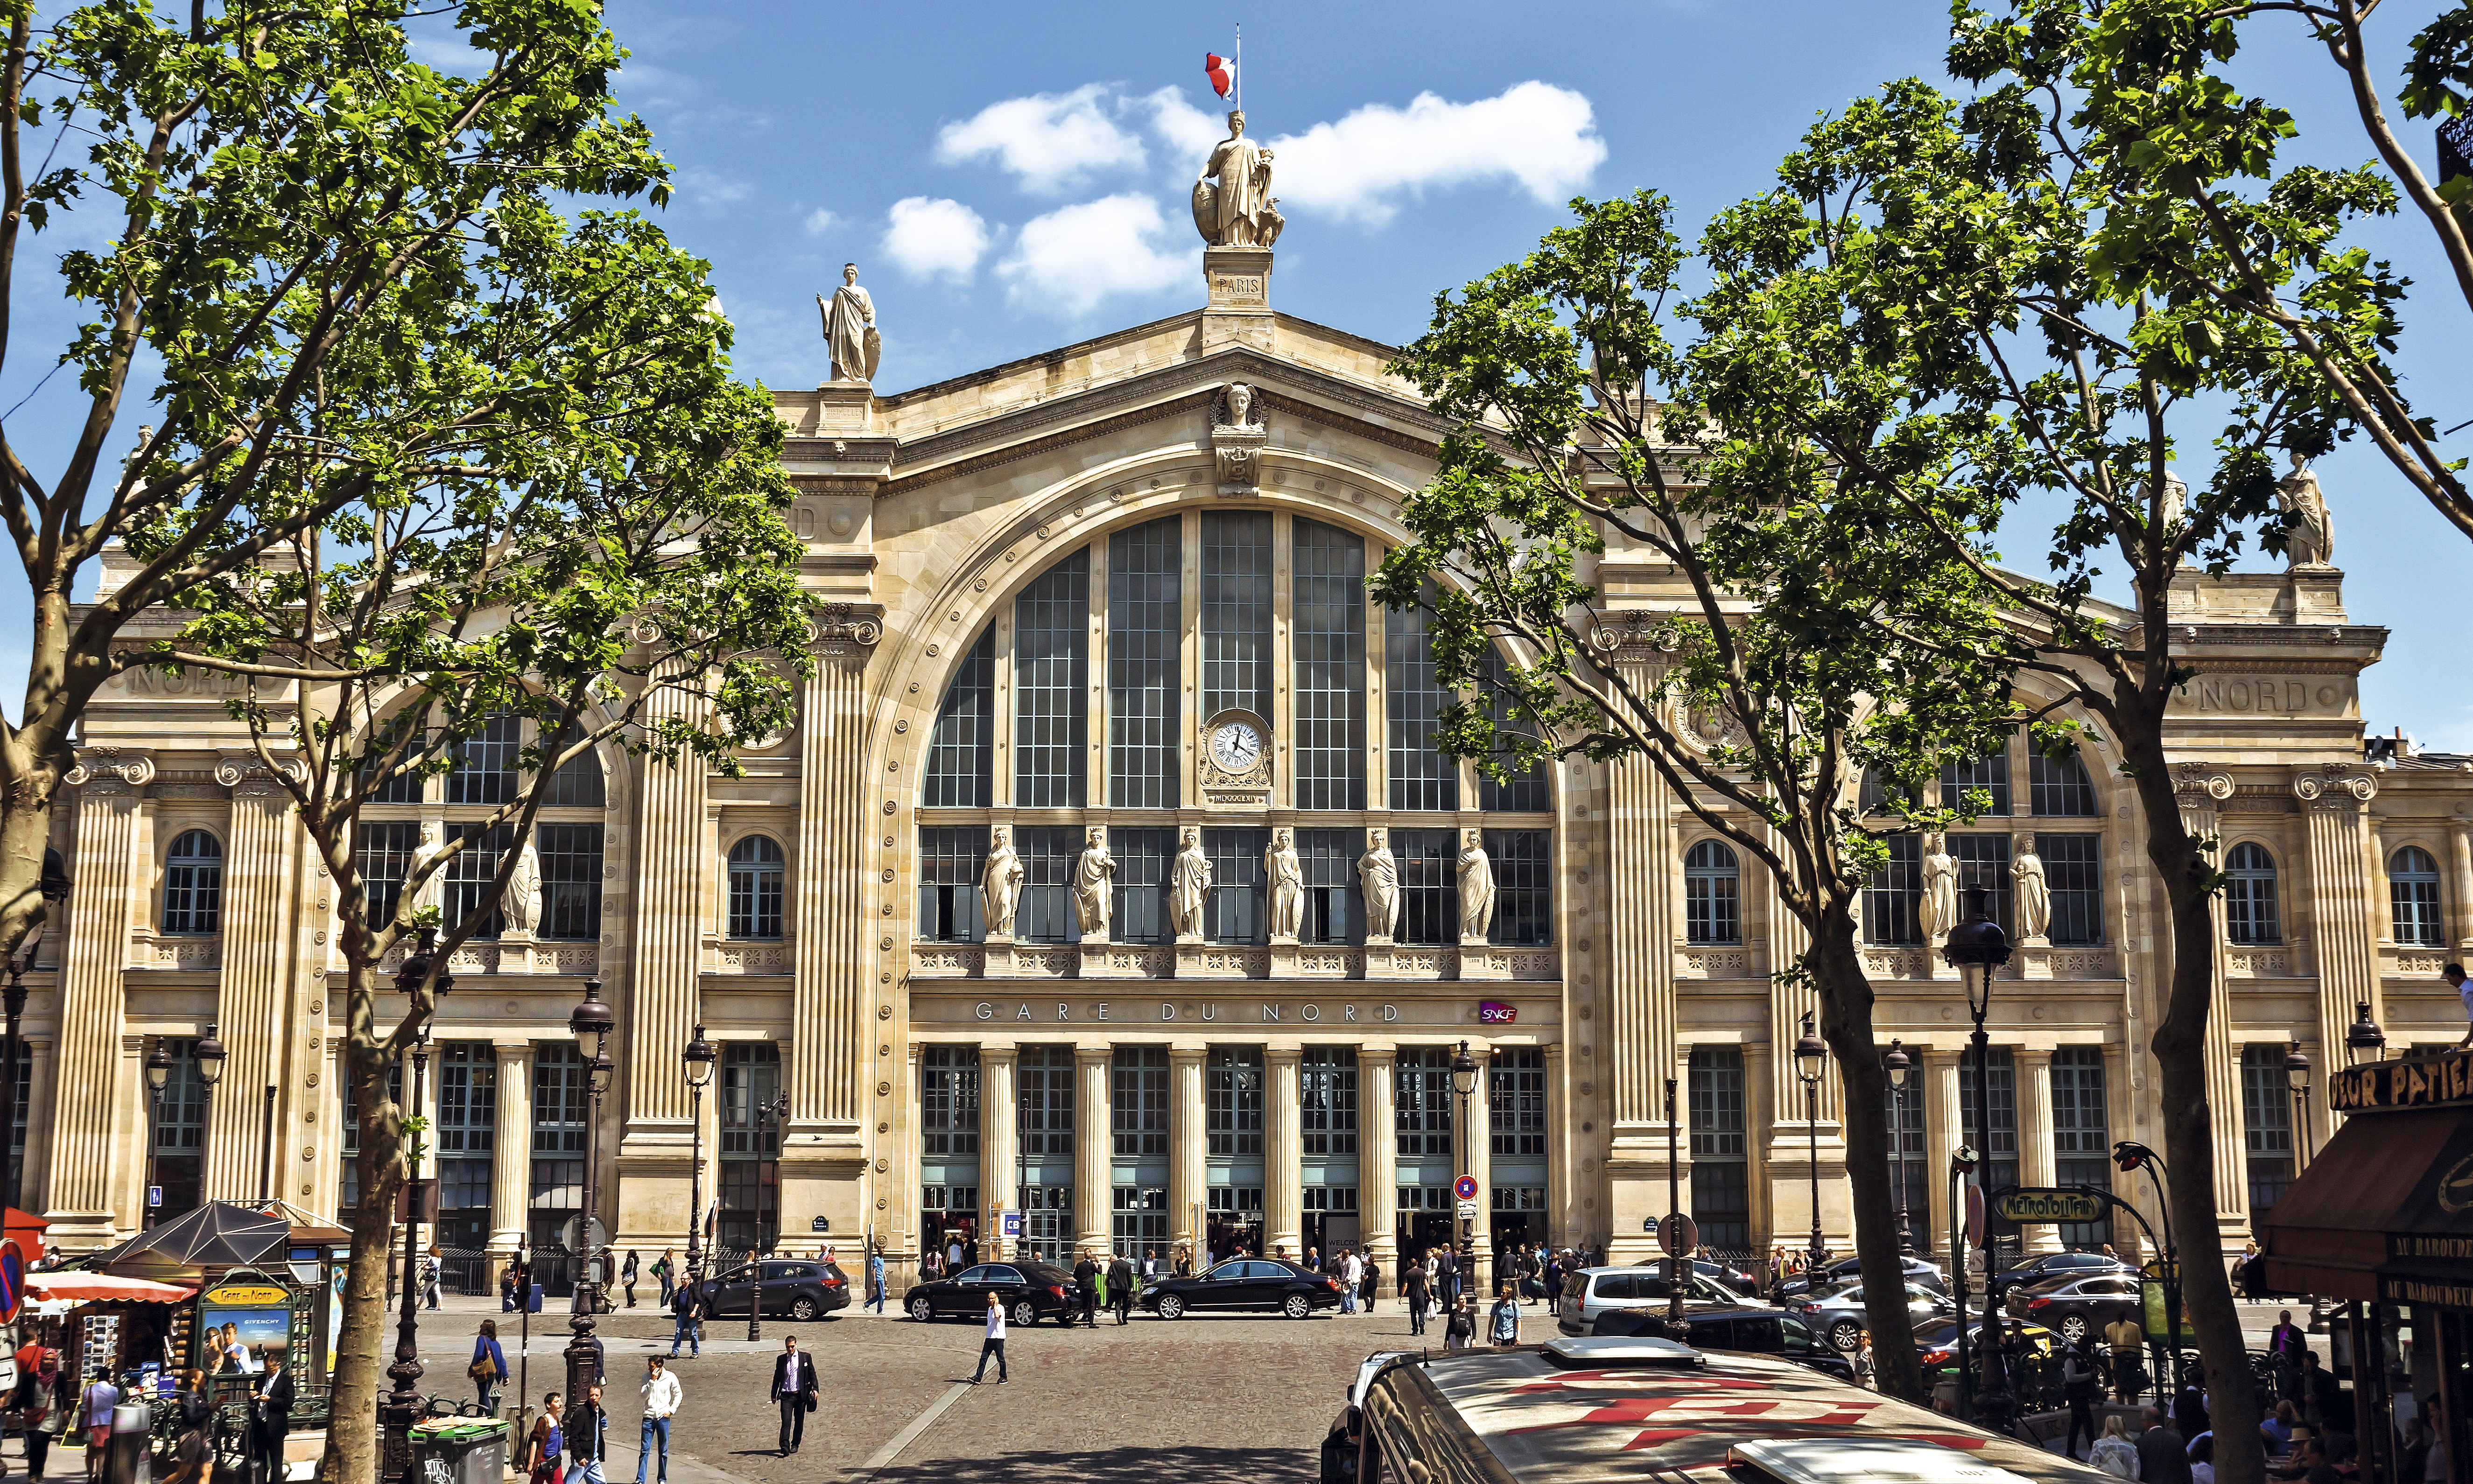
(2201, 790)
(1476, 1150)
(2037, 1164)
(1282, 1151)
(91, 1106)
(1561, 1209)
(1639, 1039)
(1093, 1148)
(1943, 1112)
(1000, 1135)
(2344, 899)
(1187, 1153)
(511, 1164)
(1377, 1149)
(253, 1002)
(2459, 901)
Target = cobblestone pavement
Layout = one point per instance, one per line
(1238, 1399)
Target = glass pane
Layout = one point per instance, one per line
(1421, 777)
(1890, 896)
(1429, 893)
(1524, 892)
(1237, 612)
(1328, 641)
(960, 750)
(951, 857)
(1138, 912)
(570, 885)
(1235, 912)
(2073, 868)
(1144, 631)
(1051, 630)
(484, 764)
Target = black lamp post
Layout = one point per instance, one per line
(698, 1060)
(1897, 1064)
(1975, 948)
(1464, 1070)
(2364, 1038)
(1961, 1164)
(404, 1403)
(158, 1076)
(778, 1113)
(55, 891)
(2297, 1076)
(590, 1022)
(210, 1054)
(1811, 1055)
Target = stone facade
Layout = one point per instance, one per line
(1231, 1081)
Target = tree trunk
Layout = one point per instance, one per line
(1846, 1024)
(360, 1377)
(2179, 1046)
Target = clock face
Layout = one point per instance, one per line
(1236, 746)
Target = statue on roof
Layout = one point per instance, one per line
(2310, 541)
(849, 329)
(1239, 211)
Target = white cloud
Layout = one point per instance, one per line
(713, 185)
(929, 238)
(820, 221)
(1189, 132)
(1071, 258)
(1050, 141)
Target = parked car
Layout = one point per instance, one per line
(1244, 1283)
(2076, 1304)
(1030, 1291)
(1592, 1291)
(2052, 1264)
(803, 1288)
(1937, 1346)
(1846, 1270)
(1716, 1326)
(1727, 1274)
(1838, 1312)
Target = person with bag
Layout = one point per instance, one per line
(430, 1267)
(488, 1368)
(876, 1277)
(1371, 1281)
(664, 1273)
(33, 1404)
(1503, 1326)
(1459, 1325)
(686, 1313)
(540, 1462)
(101, 1397)
(2127, 1340)
(274, 1414)
(1867, 1366)
(2080, 1380)
(627, 1277)
(794, 1392)
(1120, 1289)
(588, 1439)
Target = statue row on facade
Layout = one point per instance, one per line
(1191, 879)
(1937, 905)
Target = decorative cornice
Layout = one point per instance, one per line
(111, 769)
(247, 775)
(2335, 785)
(1631, 629)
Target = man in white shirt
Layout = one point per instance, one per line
(1351, 1272)
(794, 1392)
(661, 1397)
(994, 1343)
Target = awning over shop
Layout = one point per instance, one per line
(217, 1235)
(26, 1228)
(102, 1289)
(2384, 1213)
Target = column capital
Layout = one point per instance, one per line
(998, 1050)
(111, 770)
(511, 1043)
(2345, 787)
(1181, 1052)
(2029, 1055)
(1290, 1053)
(1376, 1051)
(1088, 1052)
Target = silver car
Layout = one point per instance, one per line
(1592, 1291)
(1838, 1312)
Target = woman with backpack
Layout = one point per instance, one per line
(665, 1272)
(1459, 1327)
(488, 1367)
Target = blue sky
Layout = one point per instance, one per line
(1013, 178)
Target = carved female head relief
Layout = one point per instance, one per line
(1237, 406)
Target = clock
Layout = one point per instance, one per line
(1236, 746)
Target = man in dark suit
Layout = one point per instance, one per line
(1120, 1288)
(2163, 1458)
(2286, 1345)
(794, 1391)
(1086, 1280)
(274, 1413)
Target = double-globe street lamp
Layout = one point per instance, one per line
(158, 1076)
(1977, 948)
(698, 1059)
(592, 1023)
(1811, 1055)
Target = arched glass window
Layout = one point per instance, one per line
(755, 888)
(2058, 789)
(193, 884)
(485, 763)
(2249, 896)
(2412, 892)
(1712, 894)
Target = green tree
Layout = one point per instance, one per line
(1771, 568)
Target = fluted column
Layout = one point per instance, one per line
(1639, 1041)
(2200, 796)
(91, 1106)
(1477, 1150)
(2035, 1161)
(1000, 1135)
(660, 1016)
(512, 1149)
(1093, 1148)
(1943, 1111)
(2460, 901)
(1186, 1149)
(252, 1006)
(1283, 1152)
(1378, 1148)
(1561, 1227)
(2343, 897)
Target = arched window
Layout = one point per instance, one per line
(755, 888)
(485, 763)
(193, 884)
(1712, 894)
(2249, 896)
(2412, 892)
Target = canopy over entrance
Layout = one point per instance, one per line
(2385, 1213)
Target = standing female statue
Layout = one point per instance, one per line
(1379, 873)
(1937, 907)
(1287, 875)
(1476, 888)
(1000, 884)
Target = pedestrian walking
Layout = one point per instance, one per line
(2080, 1382)
(994, 1343)
(1459, 1325)
(1417, 1289)
(2127, 1340)
(2113, 1452)
(33, 1404)
(538, 1464)
(661, 1397)
(665, 1273)
(794, 1392)
(101, 1397)
(1867, 1373)
(1120, 1289)
(687, 1315)
(508, 1285)
(588, 1439)
(1503, 1326)
(1085, 1283)
(627, 1276)
(1447, 1274)
(271, 1413)
(430, 1288)
(1347, 1273)
(876, 1277)
(1371, 1283)
(488, 1368)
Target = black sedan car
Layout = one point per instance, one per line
(794, 1289)
(2076, 1305)
(1030, 1291)
(1244, 1283)
(2055, 1265)
(1847, 1270)
(1716, 1327)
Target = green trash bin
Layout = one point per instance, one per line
(458, 1451)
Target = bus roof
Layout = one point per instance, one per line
(1565, 1415)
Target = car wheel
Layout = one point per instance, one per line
(1025, 1313)
(803, 1308)
(2073, 1328)
(1172, 1306)
(1846, 1334)
(1296, 1306)
(922, 1311)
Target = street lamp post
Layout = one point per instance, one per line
(158, 1076)
(1977, 947)
(2364, 1038)
(1897, 1064)
(590, 1022)
(402, 1404)
(210, 1054)
(2297, 1076)
(778, 1111)
(1464, 1070)
(697, 1059)
(1962, 1163)
(1811, 1055)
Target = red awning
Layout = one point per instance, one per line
(102, 1289)
(25, 1229)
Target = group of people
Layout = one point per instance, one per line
(1358, 1276)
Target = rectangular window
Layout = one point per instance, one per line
(1327, 1087)
(555, 1189)
(1713, 910)
(1138, 1100)
(349, 1121)
(1420, 1104)
(1988, 774)
(1721, 1192)
(2267, 1126)
(1983, 861)
(1146, 628)
(1890, 896)
(2058, 789)
(1524, 886)
(751, 1144)
(2082, 1142)
(1046, 1097)
(948, 1100)
(1234, 912)
(1231, 1100)
(2074, 871)
(951, 858)
(570, 885)
(1429, 893)
(1525, 791)
(467, 1119)
(485, 763)
(1138, 1224)
(470, 875)
(1051, 716)
(180, 1130)
(1421, 777)
(1882, 794)
(961, 748)
(403, 785)
(1045, 912)
(2003, 1109)
(382, 852)
(1138, 912)
(1515, 1089)
(1237, 612)
(1328, 636)
(1333, 910)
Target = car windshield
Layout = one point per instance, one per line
(1848, 1292)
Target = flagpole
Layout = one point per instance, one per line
(1240, 65)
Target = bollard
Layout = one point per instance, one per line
(125, 1460)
